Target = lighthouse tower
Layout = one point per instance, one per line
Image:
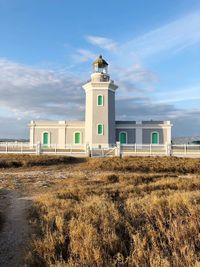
(100, 106)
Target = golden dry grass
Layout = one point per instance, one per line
(116, 219)
(16, 161)
(147, 164)
(113, 212)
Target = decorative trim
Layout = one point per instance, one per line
(145, 127)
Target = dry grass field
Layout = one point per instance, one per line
(136, 211)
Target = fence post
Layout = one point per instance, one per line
(87, 150)
(118, 149)
(21, 147)
(6, 147)
(185, 149)
(38, 149)
(168, 149)
(150, 148)
(55, 148)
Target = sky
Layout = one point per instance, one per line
(47, 48)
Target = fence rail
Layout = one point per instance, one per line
(26, 148)
(147, 149)
(115, 150)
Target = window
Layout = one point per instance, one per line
(100, 100)
(77, 137)
(155, 138)
(123, 137)
(100, 129)
(45, 138)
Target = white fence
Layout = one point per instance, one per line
(183, 150)
(26, 148)
(149, 149)
(154, 149)
(104, 152)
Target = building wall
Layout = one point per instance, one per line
(111, 118)
(146, 135)
(53, 133)
(100, 114)
(131, 139)
(63, 133)
(60, 132)
(88, 116)
(70, 135)
(145, 138)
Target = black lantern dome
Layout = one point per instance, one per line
(100, 65)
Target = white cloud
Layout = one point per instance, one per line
(83, 55)
(102, 42)
(179, 95)
(38, 93)
(28, 93)
(135, 75)
(174, 36)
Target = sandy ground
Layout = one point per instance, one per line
(15, 230)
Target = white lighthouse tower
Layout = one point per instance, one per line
(100, 106)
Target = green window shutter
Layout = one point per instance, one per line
(100, 128)
(100, 100)
(45, 138)
(122, 138)
(77, 138)
(154, 138)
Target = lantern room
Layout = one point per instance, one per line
(100, 65)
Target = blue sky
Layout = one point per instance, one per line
(47, 47)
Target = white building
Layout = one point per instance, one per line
(100, 129)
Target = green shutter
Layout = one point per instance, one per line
(154, 138)
(77, 138)
(45, 138)
(122, 138)
(100, 100)
(100, 129)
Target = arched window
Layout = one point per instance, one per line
(45, 138)
(100, 129)
(155, 138)
(99, 100)
(123, 137)
(77, 138)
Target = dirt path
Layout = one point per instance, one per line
(15, 230)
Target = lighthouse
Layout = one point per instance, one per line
(100, 106)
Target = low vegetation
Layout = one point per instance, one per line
(147, 164)
(136, 211)
(122, 218)
(14, 161)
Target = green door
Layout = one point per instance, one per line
(154, 138)
(122, 138)
(45, 138)
(77, 138)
